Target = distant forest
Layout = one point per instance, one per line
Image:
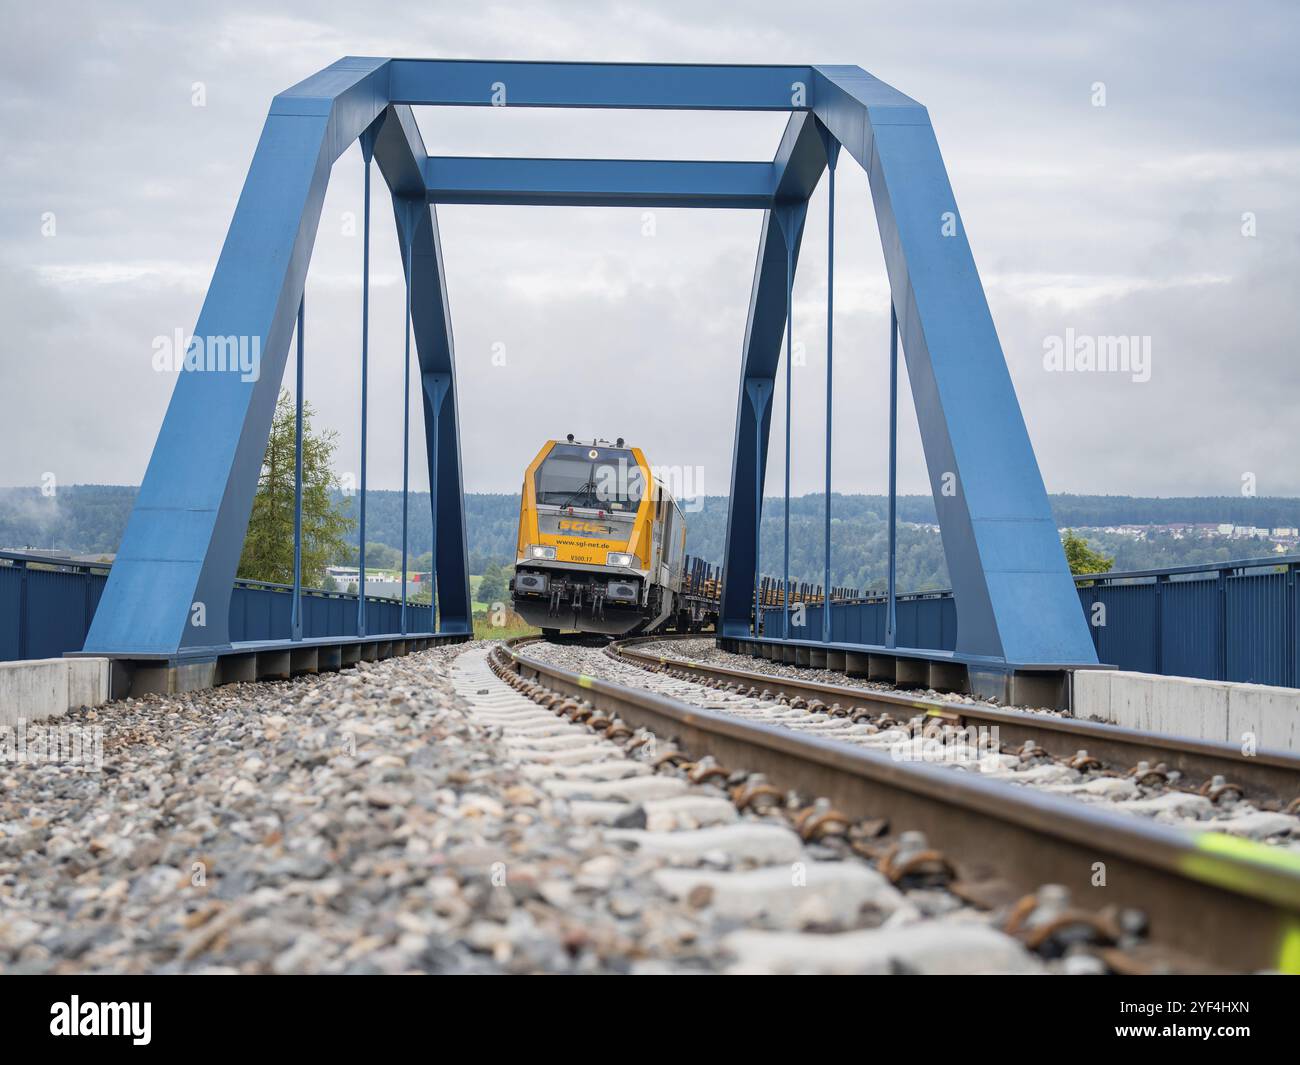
(90, 519)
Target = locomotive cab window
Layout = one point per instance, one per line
(594, 477)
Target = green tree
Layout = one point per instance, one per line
(381, 556)
(1081, 557)
(268, 544)
(495, 585)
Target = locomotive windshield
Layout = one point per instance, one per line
(574, 475)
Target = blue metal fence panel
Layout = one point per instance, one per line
(11, 613)
(1293, 618)
(46, 612)
(870, 627)
(1190, 629)
(1235, 621)
(263, 612)
(65, 627)
(1255, 606)
(924, 621)
(1128, 635)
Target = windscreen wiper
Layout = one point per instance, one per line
(586, 490)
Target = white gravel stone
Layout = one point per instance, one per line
(743, 842)
(636, 789)
(688, 811)
(933, 947)
(613, 769)
(1171, 806)
(793, 896)
(1257, 824)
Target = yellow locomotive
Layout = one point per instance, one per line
(602, 542)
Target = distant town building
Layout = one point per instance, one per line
(381, 583)
(1288, 536)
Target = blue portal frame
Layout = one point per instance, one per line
(1015, 599)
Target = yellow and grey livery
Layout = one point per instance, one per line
(602, 542)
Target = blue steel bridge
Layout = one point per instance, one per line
(1233, 621)
(171, 614)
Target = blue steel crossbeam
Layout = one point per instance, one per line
(659, 86)
(600, 182)
(1014, 598)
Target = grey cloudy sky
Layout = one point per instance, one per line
(1117, 220)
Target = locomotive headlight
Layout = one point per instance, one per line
(618, 558)
(541, 551)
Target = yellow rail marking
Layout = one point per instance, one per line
(1205, 866)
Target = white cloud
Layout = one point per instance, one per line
(1125, 218)
(142, 274)
(1071, 292)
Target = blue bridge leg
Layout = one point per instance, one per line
(800, 160)
(170, 588)
(1014, 595)
(431, 325)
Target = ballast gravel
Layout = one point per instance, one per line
(416, 815)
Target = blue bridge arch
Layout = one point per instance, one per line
(169, 591)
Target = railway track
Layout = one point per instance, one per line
(795, 890)
(1269, 778)
(1137, 895)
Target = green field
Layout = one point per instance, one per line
(485, 630)
(483, 627)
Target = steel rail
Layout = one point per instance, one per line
(1270, 775)
(1231, 902)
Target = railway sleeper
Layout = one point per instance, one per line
(1089, 941)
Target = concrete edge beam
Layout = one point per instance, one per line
(41, 688)
(1226, 711)
(36, 689)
